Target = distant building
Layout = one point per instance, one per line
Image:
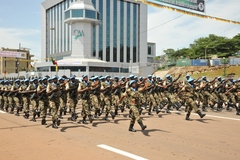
(15, 60)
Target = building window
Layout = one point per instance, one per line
(67, 14)
(149, 50)
(90, 14)
(77, 13)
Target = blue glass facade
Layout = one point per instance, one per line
(100, 38)
(94, 33)
(121, 31)
(128, 32)
(118, 18)
(76, 13)
(90, 14)
(115, 39)
(108, 30)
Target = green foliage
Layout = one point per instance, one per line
(207, 46)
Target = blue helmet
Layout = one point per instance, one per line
(107, 76)
(190, 80)
(131, 76)
(17, 80)
(131, 82)
(123, 77)
(116, 77)
(187, 75)
(149, 76)
(203, 77)
(44, 78)
(238, 79)
(26, 80)
(84, 76)
(54, 77)
(168, 76)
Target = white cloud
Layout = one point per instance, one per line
(29, 38)
(182, 31)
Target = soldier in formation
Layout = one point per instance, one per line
(105, 96)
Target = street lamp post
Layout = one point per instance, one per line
(18, 68)
(224, 61)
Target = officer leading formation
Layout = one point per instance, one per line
(106, 96)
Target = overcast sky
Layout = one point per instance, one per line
(20, 22)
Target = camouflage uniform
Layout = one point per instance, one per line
(71, 88)
(53, 90)
(25, 98)
(43, 100)
(84, 90)
(17, 96)
(134, 96)
(32, 89)
(187, 93)
(106, 89)
(95, 99)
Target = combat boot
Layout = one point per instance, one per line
(58, 121)
(122, 108)
(84, 120)
(54, 124)
(26, 115)
(131, 128)
(43, 122)
(113, 115)
(200, 114)
(38, 113)
(149, 112)
(6, 108)
(142, 126)
(116, 112)
(34, 117)
(96, 114)
(12, 109)
(64, 110)
(204, 109)
(106, 117)
(18, 109)
(140, 111)
(90, 118)
(60, 115)
(157, 110)
(188, 117)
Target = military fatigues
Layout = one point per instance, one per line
(134, 97)
(106, 88)
(53, 90)
(32, 88)
(187, 93)
(16, 97)
(85, 97)
(43, 101)
(71, 88)
(25, 99)
(95, 99)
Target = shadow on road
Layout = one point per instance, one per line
(63, 129)
(20, 127)
(204, 120)
(146, 132)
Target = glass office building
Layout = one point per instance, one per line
(121, 36)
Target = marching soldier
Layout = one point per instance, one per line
(106, 89)
(134, 96)
(32, 89)
(16, 97)
(71, 88)
(84, 91)
(25, 98)
(95, 87)
(53, 91)
(43, 99)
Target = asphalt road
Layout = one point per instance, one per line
(167, 137)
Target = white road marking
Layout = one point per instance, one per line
(130, 155)
(2, 112)
(207, 115)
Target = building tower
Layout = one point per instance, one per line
(81, 16)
